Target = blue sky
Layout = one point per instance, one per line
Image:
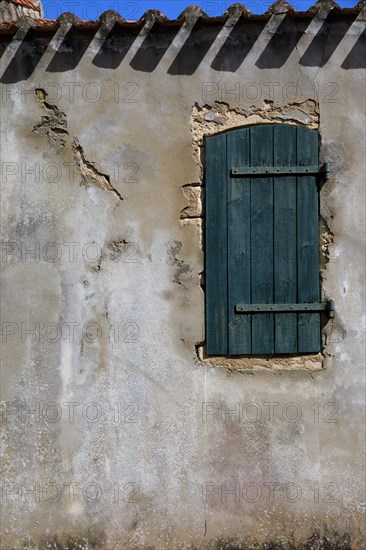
(131, 9)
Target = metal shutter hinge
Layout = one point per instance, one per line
(327, 307)
(251, 171)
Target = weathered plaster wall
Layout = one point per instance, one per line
(126, 438)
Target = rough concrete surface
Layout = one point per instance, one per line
(117, 432)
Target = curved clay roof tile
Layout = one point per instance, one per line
(14, 13)
(31, 5)
(13, 10)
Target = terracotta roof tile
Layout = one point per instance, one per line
(26, 4)
(192, 13)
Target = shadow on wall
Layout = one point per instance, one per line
(326, 41)
(196, 38)
(356, 59)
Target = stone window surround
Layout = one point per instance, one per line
(212, 119)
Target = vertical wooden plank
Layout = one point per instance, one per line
(308, 284)
(239, 258)
(216, 246)
(261, 211)
(285, 272)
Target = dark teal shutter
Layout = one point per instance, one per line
(261, 236)
(216, 246)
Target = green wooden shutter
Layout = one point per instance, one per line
(216, 246)
(261, 237)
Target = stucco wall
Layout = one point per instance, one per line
(133, 441)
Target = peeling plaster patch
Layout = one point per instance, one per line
(90, 174)
(328, 247)
(97, 266)
(335, 153)
(53, 128)
(53, 125)
(296, 114)
(123, 249)
(117, 247)
(180, 266)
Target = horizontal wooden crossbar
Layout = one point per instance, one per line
(279, 170)
(286, 308)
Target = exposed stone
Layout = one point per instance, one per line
(193, 193)
(279, 363)
(304, 114)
